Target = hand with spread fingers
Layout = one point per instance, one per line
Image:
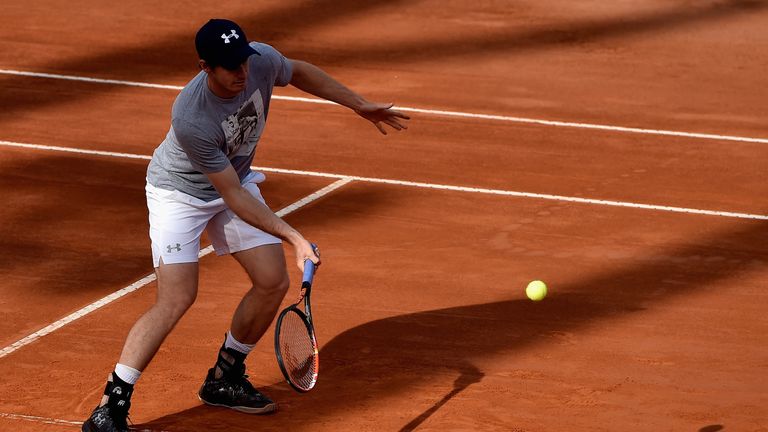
(378, 113)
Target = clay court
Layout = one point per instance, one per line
(616, 150)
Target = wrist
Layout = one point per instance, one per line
(294, 238)
(358, 104)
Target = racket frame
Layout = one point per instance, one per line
(306, 318)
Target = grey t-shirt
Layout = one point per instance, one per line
(207, 132)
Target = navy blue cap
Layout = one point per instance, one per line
(221, 42)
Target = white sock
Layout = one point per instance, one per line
(127, 373)
(231, 342)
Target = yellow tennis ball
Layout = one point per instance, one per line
(536, 290)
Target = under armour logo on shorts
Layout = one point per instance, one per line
(226, 37)
(171, 248)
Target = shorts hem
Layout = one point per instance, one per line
(174, 260)
(226, 250)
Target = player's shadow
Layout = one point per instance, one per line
(469, 374)
(422, 353)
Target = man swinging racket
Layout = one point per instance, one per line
(199, 178)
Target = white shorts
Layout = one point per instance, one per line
(177, 221)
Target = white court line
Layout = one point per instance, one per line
(503, 118)
(53, 421)
(149, 278)
(37, 419)
(430, 185)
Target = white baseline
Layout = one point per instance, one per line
(503, 118)
(54, 421)
(426, 185)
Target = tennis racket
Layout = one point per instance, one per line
(295, 343)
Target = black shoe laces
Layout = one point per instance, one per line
(239, 378)
(241, 385)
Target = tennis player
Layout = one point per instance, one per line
(200, 177)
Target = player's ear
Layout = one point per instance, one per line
(204, 66)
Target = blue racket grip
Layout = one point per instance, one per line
(309, 268)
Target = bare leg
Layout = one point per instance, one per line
(265, 266)
(226, 385)
(176, 291)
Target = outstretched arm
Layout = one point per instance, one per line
(311, 79)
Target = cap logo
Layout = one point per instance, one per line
(226, 36)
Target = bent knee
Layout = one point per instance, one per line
(276, 286)
(177, 305)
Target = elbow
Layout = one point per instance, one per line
(234, 199)
(299, 73)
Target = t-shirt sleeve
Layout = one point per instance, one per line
(201, 149)
(281, 66)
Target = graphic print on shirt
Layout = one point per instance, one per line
(243, 128)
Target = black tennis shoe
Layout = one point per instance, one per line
(112, 416)
(233, 390)
(107, 419)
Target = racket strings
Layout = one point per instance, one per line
(298, 351)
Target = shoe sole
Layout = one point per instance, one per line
(267, 409)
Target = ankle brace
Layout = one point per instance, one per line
(231, 362)
(119, 393)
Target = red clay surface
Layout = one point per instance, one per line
(655, 320)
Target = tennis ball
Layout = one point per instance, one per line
(536, 290)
